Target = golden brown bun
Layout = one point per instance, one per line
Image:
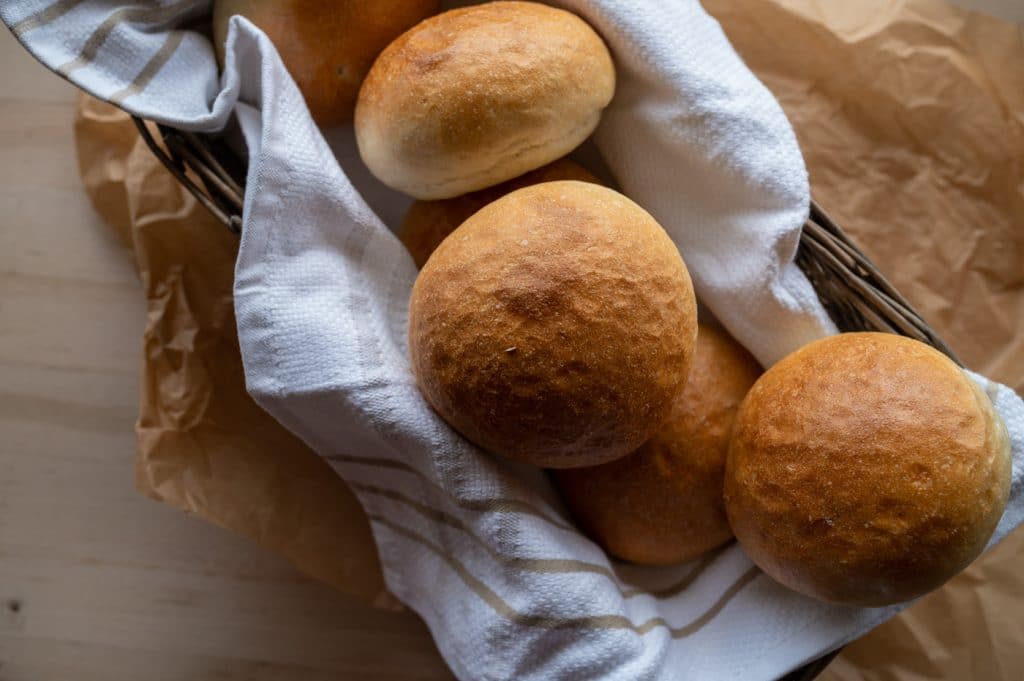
(327, 45)
(663, 503)
(479, 95)
(555, 326)
(866, 469)
(428, 222)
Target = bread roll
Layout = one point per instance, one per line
(555, 326)
(428, 222)
(663, 503)
(479, 95)
(326, 45)
(866, 469)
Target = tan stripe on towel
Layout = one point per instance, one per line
(539, 565)
(151, 68)
(502, 607)
(690, 577)
(147, 14)
(476, 505)
(44, 16)
(718, 606)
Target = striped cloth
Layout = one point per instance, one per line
(151, 57)
(480, 547)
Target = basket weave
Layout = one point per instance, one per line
(853, 291)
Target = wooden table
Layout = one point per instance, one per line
(97, 582)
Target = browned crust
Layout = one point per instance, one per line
(479, 95)
(555, 326)
(663, 504)
(866, 469)
(428, 223)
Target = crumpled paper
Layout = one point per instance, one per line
(910, 115)
(203, 444)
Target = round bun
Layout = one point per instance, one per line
(662, 504)
(555, 326)
(866, 469)
(479, 95)
(428, 223)
(327, 45)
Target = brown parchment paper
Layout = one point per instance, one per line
(203, 443)
(911, 117)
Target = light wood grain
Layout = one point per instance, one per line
(96, 581)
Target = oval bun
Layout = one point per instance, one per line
(555, 326)
(866, 469)
(479, 95)
(663, 503)
(428, 223)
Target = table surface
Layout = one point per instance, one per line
(96, 581)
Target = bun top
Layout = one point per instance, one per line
(428, 222)
(866, 468)
(479, 95)
(555, 326)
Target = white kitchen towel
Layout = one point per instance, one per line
(480, 547)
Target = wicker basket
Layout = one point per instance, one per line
(853, 291)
